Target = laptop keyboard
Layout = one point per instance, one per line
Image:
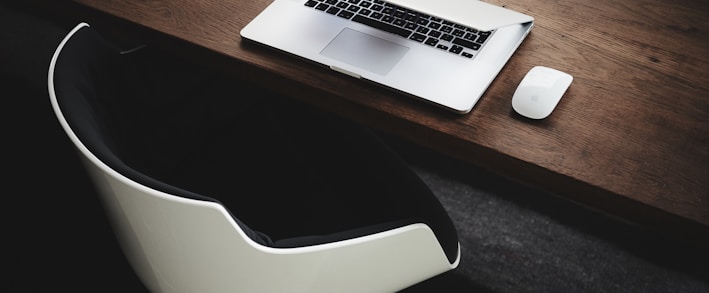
(432, 31)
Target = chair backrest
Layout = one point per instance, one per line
(180, 241)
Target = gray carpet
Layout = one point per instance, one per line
(516, 238)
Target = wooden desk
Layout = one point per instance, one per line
(630, 137)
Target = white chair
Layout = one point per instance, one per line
(178, 240)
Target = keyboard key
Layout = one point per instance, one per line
(431, 41)
(418, 37)
(382, 26)
(456, 49)
(482, 38)
(466, 43)
(345, 14)
(470, 37)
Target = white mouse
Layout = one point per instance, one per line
(540, 91)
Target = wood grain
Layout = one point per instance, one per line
(629, 138)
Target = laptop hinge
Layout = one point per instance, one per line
(355, 75)
(473, 13)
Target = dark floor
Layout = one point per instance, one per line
(518, 239)
(513, 238)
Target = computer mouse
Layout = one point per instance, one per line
(539, 92)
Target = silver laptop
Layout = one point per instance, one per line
(446, 52)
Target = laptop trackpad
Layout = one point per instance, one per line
(364, 51)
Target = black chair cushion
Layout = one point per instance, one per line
(291, 175)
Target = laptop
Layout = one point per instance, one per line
(446, 52)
